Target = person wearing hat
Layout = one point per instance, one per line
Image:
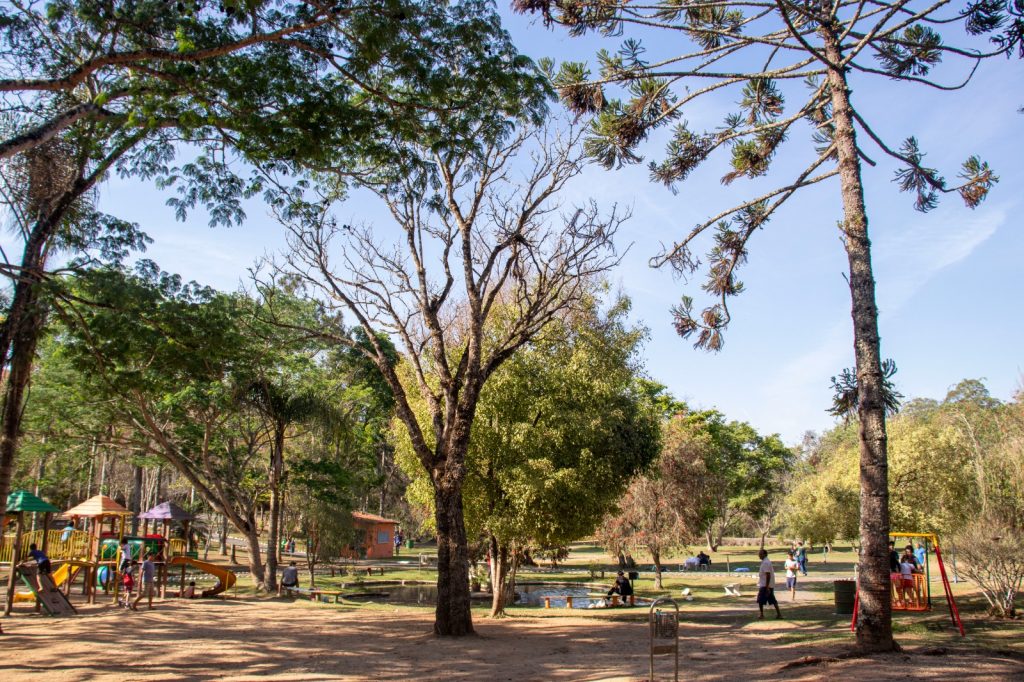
(622, 587)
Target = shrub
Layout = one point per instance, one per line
(992, 556)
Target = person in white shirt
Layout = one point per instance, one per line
(791, 565)
(766, 585)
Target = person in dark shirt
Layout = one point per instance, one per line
(894, 558)
(42, 561)
(622, 587)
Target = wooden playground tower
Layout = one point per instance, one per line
(98, 511)
(922, 591)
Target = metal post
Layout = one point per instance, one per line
(664, 625)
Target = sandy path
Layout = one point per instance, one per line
(248, 639)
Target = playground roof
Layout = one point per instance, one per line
(24, 501)
(98, 505)
(364, 516)
(167, 511)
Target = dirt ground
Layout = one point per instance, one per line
(242, 639)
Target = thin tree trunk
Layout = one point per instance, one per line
(452, 616)
(223, 535)
(874, 622)
(656, 558)
(136, 499)
(502, 582)
(712, 545)
(273, 536)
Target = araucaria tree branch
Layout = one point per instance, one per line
(755, 49)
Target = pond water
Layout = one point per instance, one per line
(526, 595)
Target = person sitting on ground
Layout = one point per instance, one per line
(622, 587)
(766, 585)
(42, 561)
(289, 578)
(190, 591)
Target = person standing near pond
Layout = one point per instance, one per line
(766, 585)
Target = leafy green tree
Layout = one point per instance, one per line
(480, 265)
(324, 485)
(742, 471)
(663, 509)
(757, 51)
(289, 86)
(561, 429)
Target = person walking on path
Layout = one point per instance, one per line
(766, 585)
(801, 557)
(147, 584)
(791, 567)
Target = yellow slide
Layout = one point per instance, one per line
(68, 570)
(225, 578)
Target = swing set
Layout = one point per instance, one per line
(919, 596)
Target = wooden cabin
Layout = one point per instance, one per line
(377, 535)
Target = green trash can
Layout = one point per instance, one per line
(408, 544)
(845, 593)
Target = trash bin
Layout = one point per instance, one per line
(845, 593)
(408, 543)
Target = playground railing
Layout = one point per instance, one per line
(178, 546)
(74, 546)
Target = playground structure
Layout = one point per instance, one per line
(93, 553)
(920, 596)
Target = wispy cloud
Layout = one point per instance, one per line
(909, 258)
(795, 396)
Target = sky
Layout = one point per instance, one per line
(948, 282)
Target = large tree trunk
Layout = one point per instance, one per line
(452, 616)
(19, 335)
(274, 534)
(874, 622)
(252, 539)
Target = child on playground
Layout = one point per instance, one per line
(148, 582)
(906, 579)
(127, 584)
(190, 591)
(42, 561)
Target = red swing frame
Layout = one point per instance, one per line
(954, 612)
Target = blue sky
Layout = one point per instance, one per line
(948, 281)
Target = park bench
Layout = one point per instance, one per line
(326, 596)
(376, 567)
